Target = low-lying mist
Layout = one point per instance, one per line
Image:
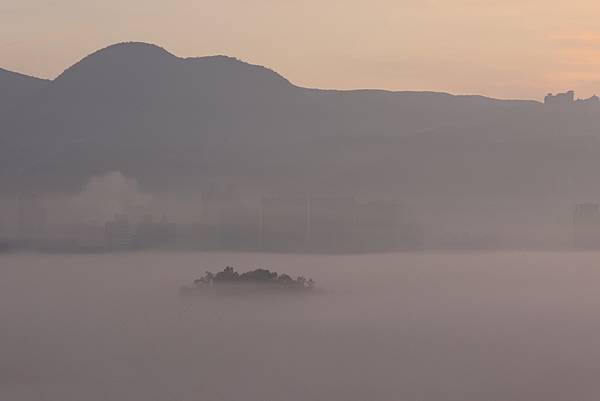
(514, 326)
(228, 218)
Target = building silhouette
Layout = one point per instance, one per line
(332, 224)
(90, 237)
(560, 99)
(586, 225)
(385, 226)
(284, 223)
(568, 99)
(592, 100)
(239, 227)
(118, 233)
(336, 224)
(154, 234)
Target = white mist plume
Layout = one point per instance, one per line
(104, 196)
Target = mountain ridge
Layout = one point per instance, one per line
(177, 123)
(20, 75)
(136, 45)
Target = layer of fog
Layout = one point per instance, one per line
(513, 326)
(98, 201)
(486, 223)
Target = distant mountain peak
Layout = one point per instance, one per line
(120, 55)
(131, 48)
(140, 58)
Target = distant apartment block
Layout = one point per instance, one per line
(239, 227)
(332, 224)
(284, 223)
(281, 224)
(568, 99)
(336, 224)
(561, 99)
(586, 225)
(118, 233)
(90, 237)
(154, 234)
(384, 226)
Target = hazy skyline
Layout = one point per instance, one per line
(187, 168)
(508, 49)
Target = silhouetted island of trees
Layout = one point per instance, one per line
(259, 278)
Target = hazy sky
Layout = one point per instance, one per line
(508, 48)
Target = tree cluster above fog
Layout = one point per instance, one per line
(259, 276)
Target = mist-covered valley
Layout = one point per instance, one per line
(135, 171)
(394, 200)
(428, 326)
(135, 121)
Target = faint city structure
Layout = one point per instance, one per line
(586, 225)
(239, 226)
(332, 224)
(31, 218)
(560, 99)
(154, 234)
(226, 222)
(217, 198)
(90, 237)
(568, 99)
(384, 226)
(118, 233)
(336, 224)
(591, 100)
(218, 204)
(284, 223)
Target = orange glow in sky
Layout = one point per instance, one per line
(507, 49)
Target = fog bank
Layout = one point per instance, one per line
(516, 326)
